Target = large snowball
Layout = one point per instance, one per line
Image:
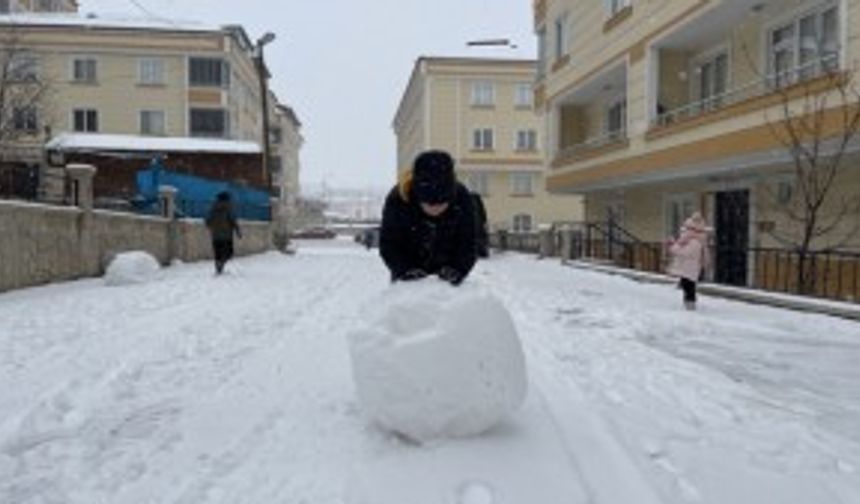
(438, 362)
(131, 268)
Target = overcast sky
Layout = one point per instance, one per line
(343, 64)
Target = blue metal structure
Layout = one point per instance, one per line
(196, 194)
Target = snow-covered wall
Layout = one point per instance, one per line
(42, 244)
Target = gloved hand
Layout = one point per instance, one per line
(413, 274)
(450, 275)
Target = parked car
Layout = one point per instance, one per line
(315, 233)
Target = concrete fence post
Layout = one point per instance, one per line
(88, 255)
(280, 238)
(546, 241)
(167, 204)
(82, 185)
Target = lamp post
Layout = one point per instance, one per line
(264, 94)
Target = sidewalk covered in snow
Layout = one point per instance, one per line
(238, 389)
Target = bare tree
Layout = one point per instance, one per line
(23, 99)
(817, 123)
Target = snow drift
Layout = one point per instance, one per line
(130, 268)
(438, 362)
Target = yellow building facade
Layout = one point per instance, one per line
(482, 112)
(657, 109)
(136, 78)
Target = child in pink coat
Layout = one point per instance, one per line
(689, 256)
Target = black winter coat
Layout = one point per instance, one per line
(411, 239)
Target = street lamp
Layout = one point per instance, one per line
(491, 43)
(263, 75)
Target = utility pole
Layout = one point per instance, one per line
(263, 74)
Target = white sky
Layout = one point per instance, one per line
(343, 64)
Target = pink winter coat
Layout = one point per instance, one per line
(689, 255)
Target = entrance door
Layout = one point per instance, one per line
(732, 228)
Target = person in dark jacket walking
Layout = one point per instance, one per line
(428, 223)
(222, 226)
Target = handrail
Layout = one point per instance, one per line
(595, 142)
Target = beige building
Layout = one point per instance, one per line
(482, 112)
(287, 141)
(106, 76)
(655, 109)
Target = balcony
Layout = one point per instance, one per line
(592, 147)
(760, 93)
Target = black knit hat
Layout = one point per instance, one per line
(433, 179)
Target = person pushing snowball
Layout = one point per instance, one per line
(428, 223)
(689, 256)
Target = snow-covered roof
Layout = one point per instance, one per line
(103, 21)
(104, 142)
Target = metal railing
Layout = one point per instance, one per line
(826, 65)
(831, 275)
(593, 143)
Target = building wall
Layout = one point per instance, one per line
(43, 244)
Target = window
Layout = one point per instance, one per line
(4, 6)
(86, 120)
(712, 80)
(616, 118)
(560, 36)
(483, 94)
(522, 223)
(678, 208)
(541, 64)
(213, 123)
(85, 70)
(209, 72)
(482, 139)
(25, 119)
(805, 47)
(526, 140)
(613, 7)
(521, 184)
(276, 165)
(276, 136)
(23, 67)
(478, 183)
(152, 122)
(151, 71)
(525, 96)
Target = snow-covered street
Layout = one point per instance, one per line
(238, 389)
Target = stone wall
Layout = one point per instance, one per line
(41, 244)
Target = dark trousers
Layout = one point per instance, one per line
(689, 287)
(223, 252)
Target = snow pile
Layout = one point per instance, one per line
(130, 268)
(438, 362)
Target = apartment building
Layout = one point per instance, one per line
(656, 109)
(134, 78)
(287, 141)
(12, 6)
(482, 112)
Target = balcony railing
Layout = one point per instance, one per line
(592, 144)
(827, 65)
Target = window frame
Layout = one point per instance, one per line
(478, 182)
(140, 119)
(94, 79)
(483, 93)
(677, 201)
(611, 105)
(795, 44)
(143, 72)
(31, 119)
(524, 97)
(226, 122)
(224, 72)
(87, 120)
(612, 8)
(483, 139)
(518, 219)
(531, 143)
(561, 40)
(521, 183)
